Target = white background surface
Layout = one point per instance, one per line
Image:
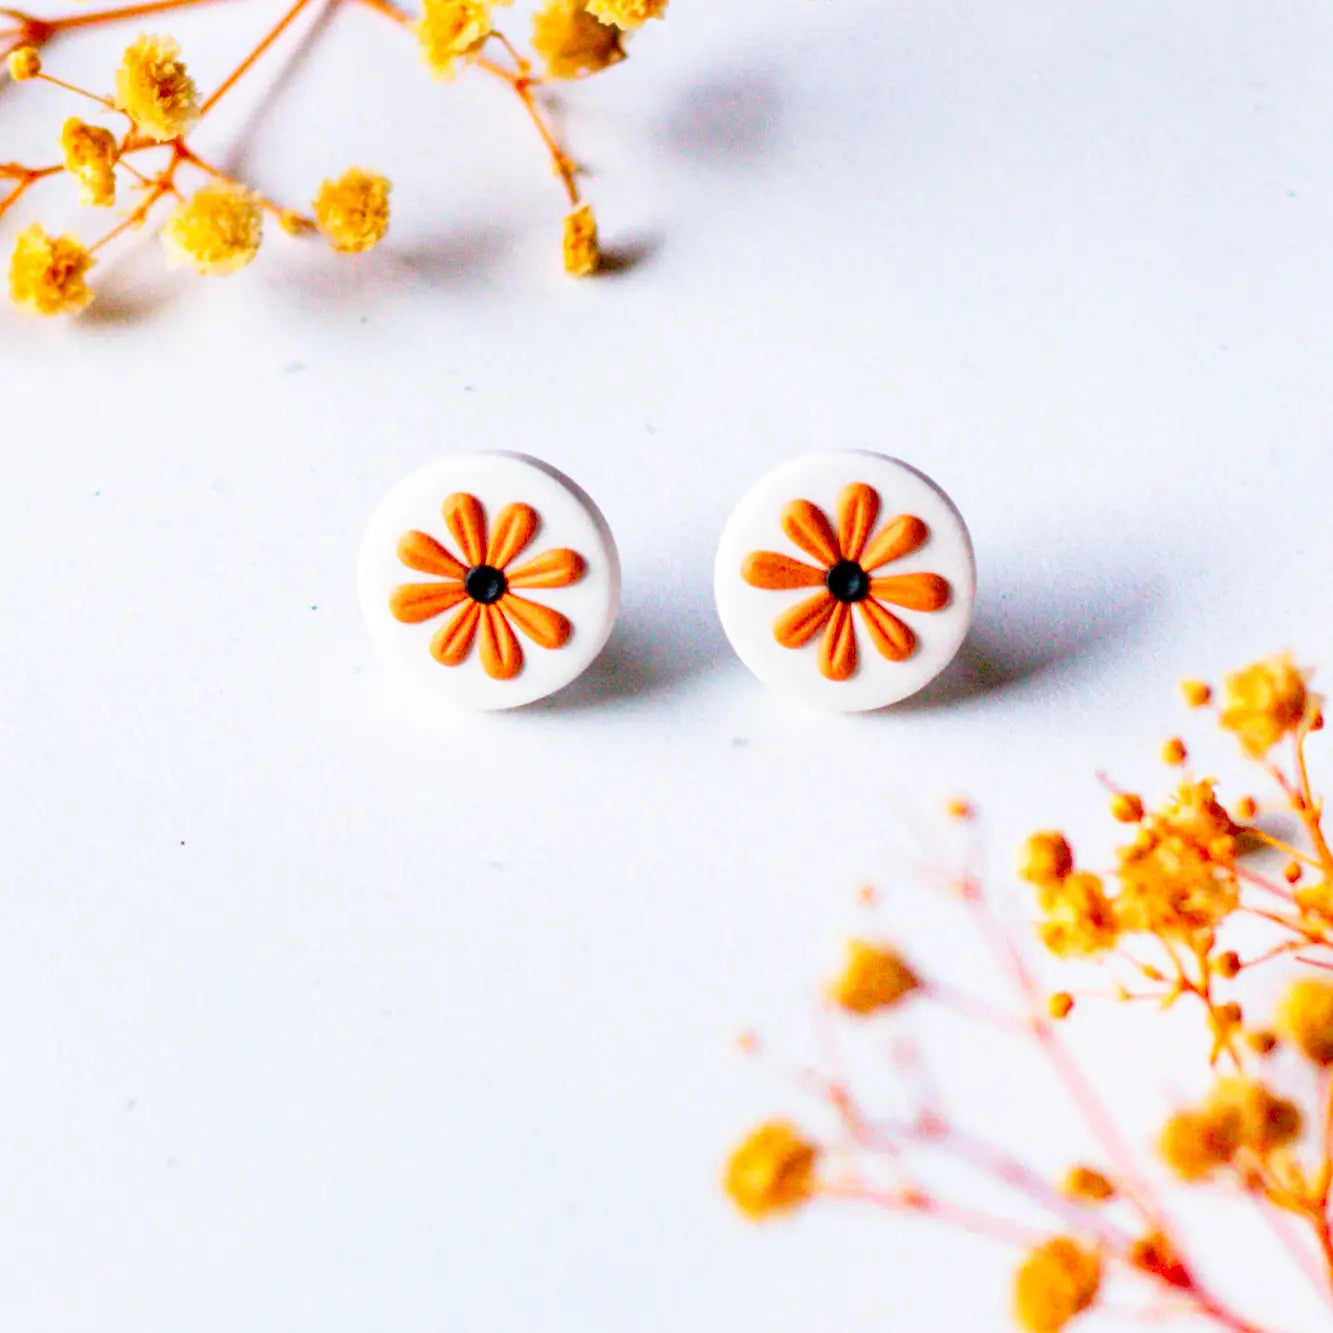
(322, 1019)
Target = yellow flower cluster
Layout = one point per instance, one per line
(46, 273)
(353, 211)
(571, 42)
(1176, 879)
(216, 231)
(772, 1171)
(627, 13)
(450, 30)
(90, 158)
(1058, 1280)
(154, 89)
(1239, 1116)
(873, 978)
(1265, 702)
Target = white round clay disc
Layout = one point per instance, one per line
(846, 579)
(490, 580)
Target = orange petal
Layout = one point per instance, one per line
(858, 508)
(800, 623)
(890, 636)
(551, 569)
(837, 649)
(915, 592)
(414, 602)
(898, 537)
(515, 527)
(453, 642)
(809, 528)
(768, 569)
(501, 655)
(466, 519)
(546, 628)
(418, 551)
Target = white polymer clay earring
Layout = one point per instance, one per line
(489, 579)
(846, 578)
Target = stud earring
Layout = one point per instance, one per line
(846, 579)
(491, 580)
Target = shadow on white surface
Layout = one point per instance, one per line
(727, 119)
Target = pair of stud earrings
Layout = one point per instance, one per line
(492, 580)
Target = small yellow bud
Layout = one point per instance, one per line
(1247, 808)
(24, 63)
(1262, 1041)
(1174, 752)
(1045, 857)
(1197, 693)
(1292, 872)
(1227, 964)
(960, 809)
(1060, 1005)
(1126, 807)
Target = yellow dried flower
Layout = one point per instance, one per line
(25, 62)
(46, 274)
(572, 42)
(353, 211)
(1265, 702)
(155, 90)
(1305, 1015)
(1195, 1143)
(1267, 1121)
(90, 157)
(1060, 1005)
(1045, 857)
(1198, 693)
(1126, 808)
(772, 1171)
(1239, 1113)
(627, 13)
(449, 30)
(1087, 1185)
(1177, 878)
(1077, 917)
(874, 978)
(581, 254)
(216, 231)
(1058, 1280)
(1174, 752)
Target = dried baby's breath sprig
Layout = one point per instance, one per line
(217, 229)
(1157, 922)
(353, 211)
(47, 273)
(90, 154)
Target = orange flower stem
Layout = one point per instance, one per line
(522, 86)
(1310, 808)
(243, 68)
(67, 23)
(389, 10)
(970, 1006)
(82, 92)
(164, 185)
(521, 64)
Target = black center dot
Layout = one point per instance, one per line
(485, 584)
(848, 582)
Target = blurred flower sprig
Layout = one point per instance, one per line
(1202, 895)
(143, 156)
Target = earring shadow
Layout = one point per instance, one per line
(652, 650)
(1016, 641)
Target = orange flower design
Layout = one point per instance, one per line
(847, 560)
(483, 587)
